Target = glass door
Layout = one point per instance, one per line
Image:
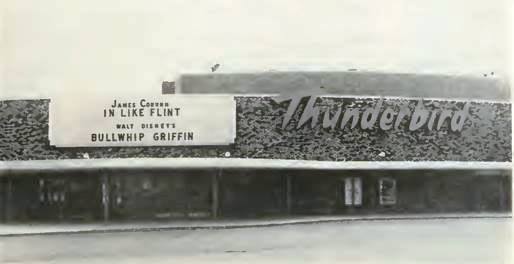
(353, 192)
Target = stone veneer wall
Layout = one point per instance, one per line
(486, 136)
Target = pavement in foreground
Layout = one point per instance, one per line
(384, 241)
(35, 228)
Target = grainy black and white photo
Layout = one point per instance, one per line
(255, 132)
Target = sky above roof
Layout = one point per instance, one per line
(56, 46)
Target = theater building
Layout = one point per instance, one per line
(260, 145)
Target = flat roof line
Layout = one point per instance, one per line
(357, 83)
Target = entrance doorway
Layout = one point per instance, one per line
(352, 191)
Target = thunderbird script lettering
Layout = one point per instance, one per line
(385, 118)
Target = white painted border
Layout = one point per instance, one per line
(7, 167)
(406, 98)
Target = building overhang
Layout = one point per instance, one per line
(15, 167)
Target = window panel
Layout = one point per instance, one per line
(387, 187)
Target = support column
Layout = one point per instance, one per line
(3, 197)
(289, 195)
(215, 194)
(8, 200)
(502, 184)
(105, 197)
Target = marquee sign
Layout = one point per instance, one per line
(171, 120)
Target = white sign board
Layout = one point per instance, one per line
(167, 120)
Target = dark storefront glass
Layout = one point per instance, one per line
(200, 194)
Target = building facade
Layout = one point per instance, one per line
(301, 144)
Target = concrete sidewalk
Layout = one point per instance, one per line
(23, 229)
